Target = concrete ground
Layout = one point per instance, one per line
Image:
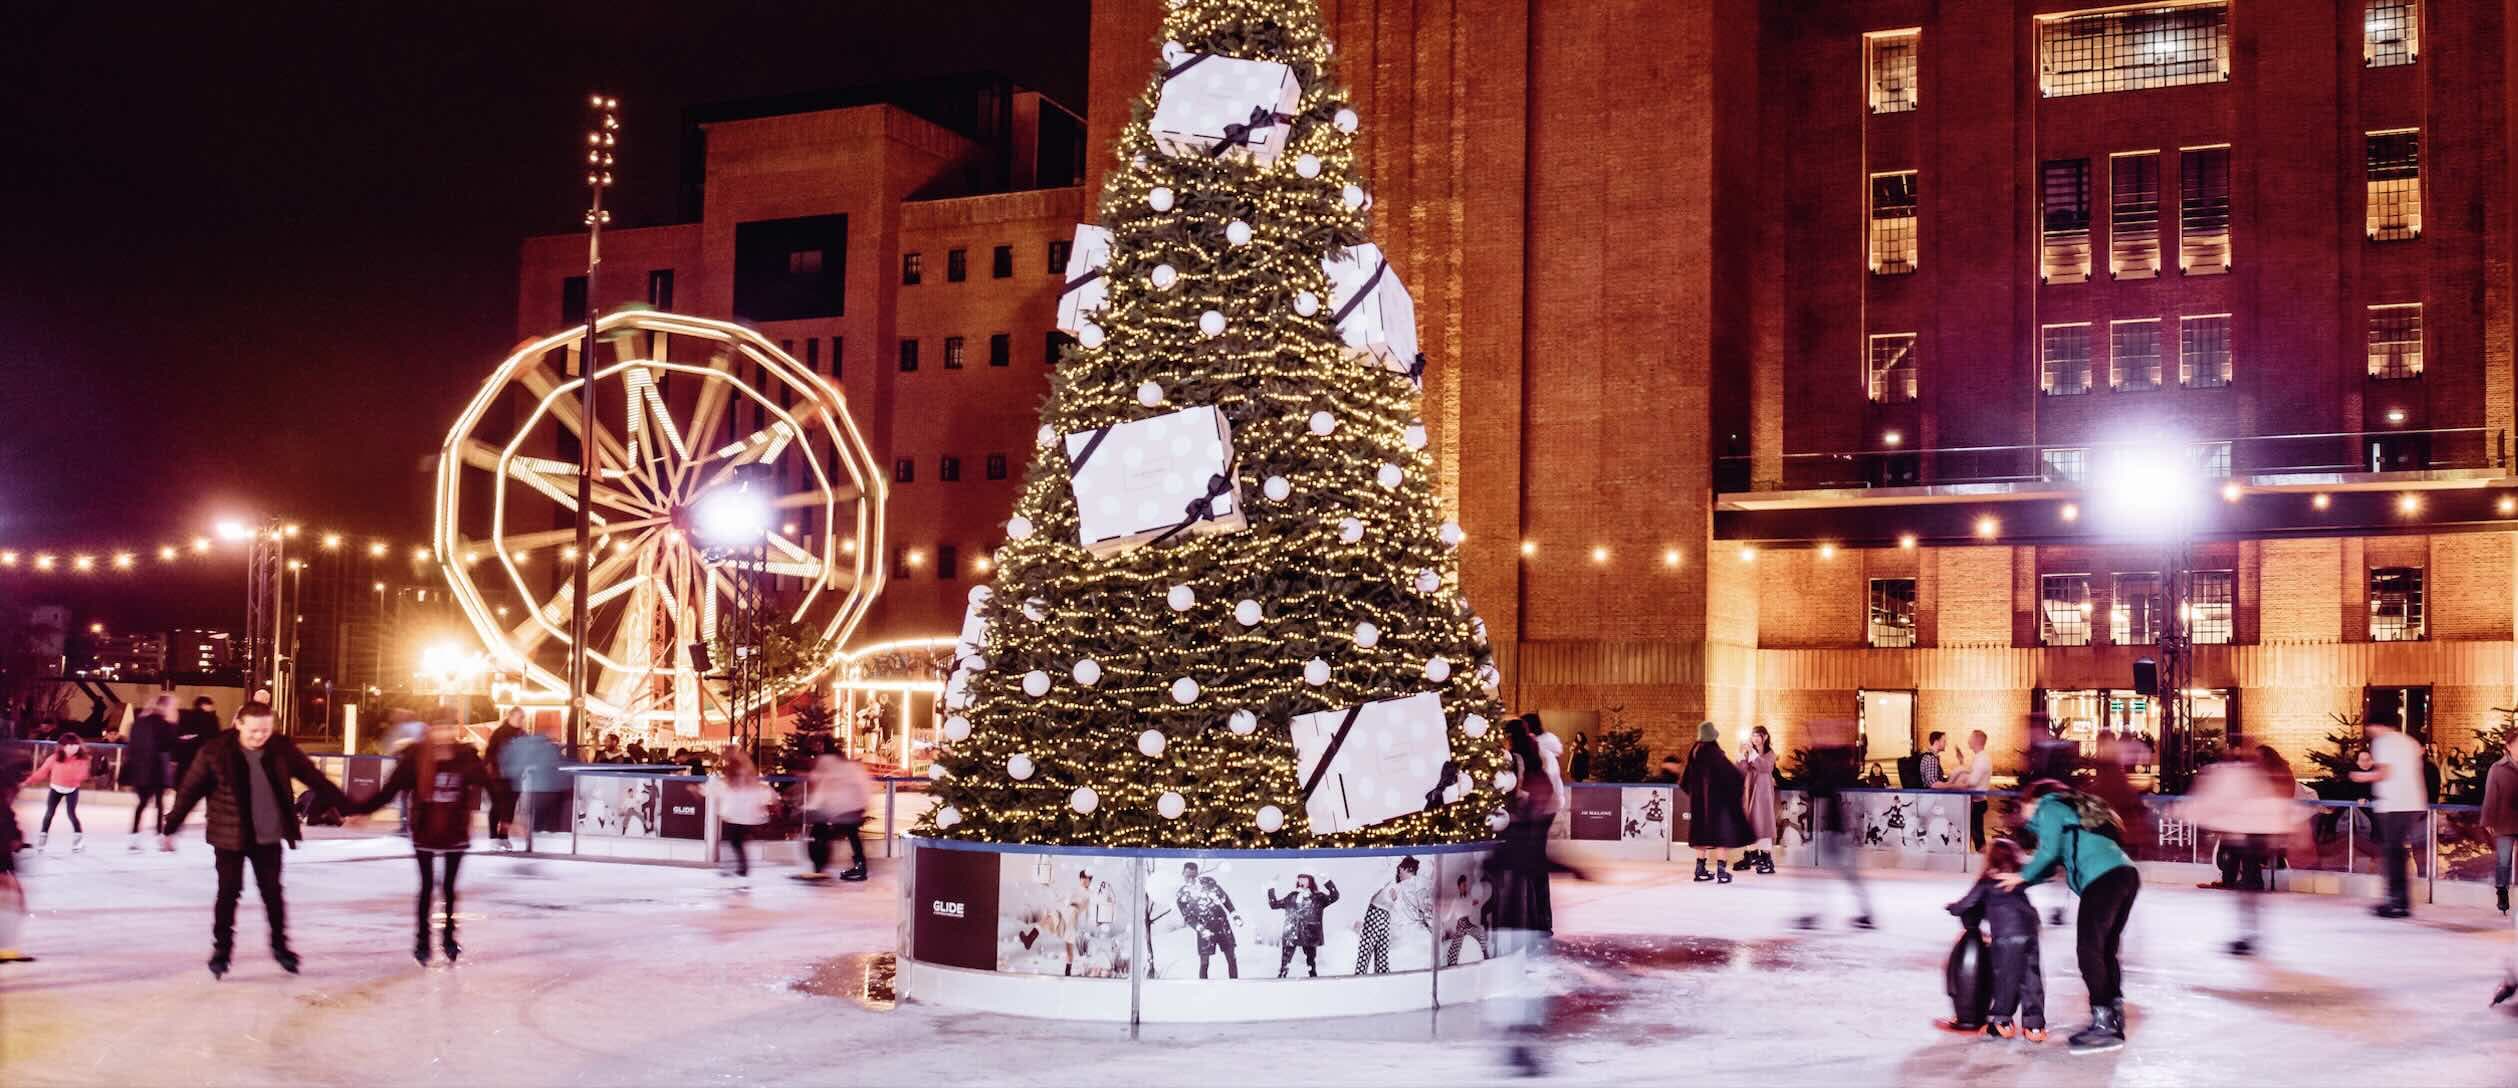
(618, 976)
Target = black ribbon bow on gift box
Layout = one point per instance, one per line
(1450, 774)
(1237, 133)
(1203, 507)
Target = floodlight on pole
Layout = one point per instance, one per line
(733, 514)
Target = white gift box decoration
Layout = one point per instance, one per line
(1088, 279)
(1153, 480)
(966, 659)
(1225, 107)
(1372, 309)
(1374, 762)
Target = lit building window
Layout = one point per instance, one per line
(949, 470)
(904, 470)
(2063, 610)
(1892, 613)
(2203, 243)
(913, 269)
(2133, 215)
(2063, 360)
(2212, 603)
(2134, 361)
(2395, 185)
(2066, 466)
(2391, 33)
(2395, 341)
(2395, 604)
(2064, 188)
(1893, 70)
(952, 353)
(2211, 459)
(2133, 613)
(1890, 372)
(2203, 355)
(2132, 49)
(1893, 243)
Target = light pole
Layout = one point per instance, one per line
(733, 519)
(2153, 491)
(600, 141)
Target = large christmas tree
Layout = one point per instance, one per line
(1285, 659)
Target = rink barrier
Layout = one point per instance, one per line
(1004, 928)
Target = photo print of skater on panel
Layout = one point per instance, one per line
(620, 805)
(1060, 914)
(1290, 917)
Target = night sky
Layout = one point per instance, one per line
(256, 254)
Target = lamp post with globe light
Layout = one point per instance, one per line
(732, 519)
(2151, 491)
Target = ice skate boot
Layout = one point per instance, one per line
(1702, 874)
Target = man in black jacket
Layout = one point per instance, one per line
(194, 728)
(146, 756)
(245, 775)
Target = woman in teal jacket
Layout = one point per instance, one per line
(2097, 870)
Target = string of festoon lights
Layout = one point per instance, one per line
(126, 558)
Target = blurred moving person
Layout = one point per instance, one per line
(503, 787)
(2400, 800)
(245, 774)
(1834, 766)
(2017, 1006)
(148, 763)
(2073, 836)
(13, 910)
(1757, 801)
(194, 728)
(63, 770)
(1525, 916)
(743, 803)
(836, 792)
(2250, 805)
(2500, 816)
(443, 780)
(1716, 823)
(531, 762)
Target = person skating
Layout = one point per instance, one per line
(836, 792)
(2070, 834)
(1757, 784)
(743, 803)
(244, 774)
(2017, 1006)
(503, 788)
(2399, 800)
(147, 762)
(2249, 803)
(1579, 764)
(13, 911)
(2500, 817)
(63, 770)
(1304, 908)
(444, 780)
(1209, 913)
(1523, 909)
(1835, 765)
(1716, 824)
(194, 728)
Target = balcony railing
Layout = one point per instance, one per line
(2337, 452)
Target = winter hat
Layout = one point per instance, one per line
(1707, 734)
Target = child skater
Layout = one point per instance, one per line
(2019, 984)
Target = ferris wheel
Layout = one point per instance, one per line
(683, 405)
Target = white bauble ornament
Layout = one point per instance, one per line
(1181, 598)
(1388, 475)
(1277, 488)
(1415, 436)
(1350, 530)
(1035, 610)
(1315, 672)
(1036, 683)
(1474, 725)
(1088, 672)
(1504, 780)
(936, 772)
(1211, 322)
(976, 663)
(1090, 335)
(1045, 436)
(1184, 691)
(1367, 635)
(1450, 534)
(1159, 198)
(1150, 742)
(1084, 800)
(1322, 422)
(1019, 529)
(1174, 52)
(1353, 197)
(1490, 678)
(1499, 821)
(1149, 394)
(1437, 668)
(1246, 612)
(1306, 303)
(1170, 805)
(1271, 818)
(1018, 767)
(1164, 277)
(948, 816)
(957, 728)
(1307, 165)
(1428, 581)
(1347, 122)
(1237, 233)
(1242, 722)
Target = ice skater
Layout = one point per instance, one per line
(1403, 893)
(64, 770)
(12, 893)
(245, 774)
(445, 780)
(1834, 765)
(1304, 909)
(2249, 803)
(147, 756)
(2401, 802)
(2017, 1006)
(503, 787)
(835, 795)
(2072, 835)
(743, 802)
(1717, 823)
(2500, 817)
(1757, 792)
(1209, 913)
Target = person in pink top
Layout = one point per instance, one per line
(65, 769)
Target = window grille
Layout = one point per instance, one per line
(1892, 613)
(2395, 604)
(2133, 49)
(2395, 341)
(2133, 216)
(1891, 368)
(2134, 615)
(2135, 359)
(1893, 241)
(2203, 355)
(2064, 186)
(2395, 185)
(1893, 71)
(2391, 33)
(2203, 214)
(2211, 607)
(2064, 610)
(2063, 365)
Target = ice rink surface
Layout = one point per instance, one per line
(620, 976)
